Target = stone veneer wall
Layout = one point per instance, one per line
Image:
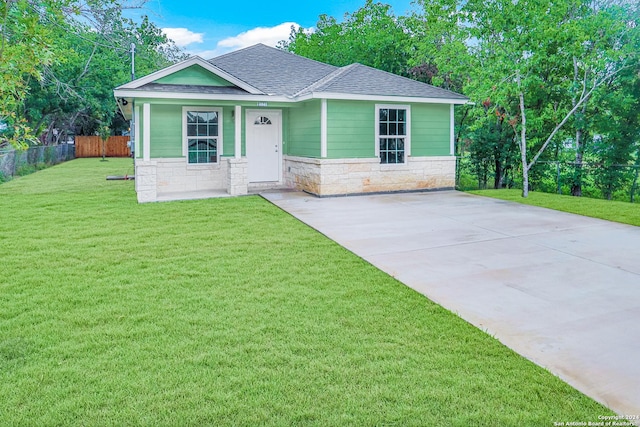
(146, 186)
(161, 176)
(175, 176)
(326, 177)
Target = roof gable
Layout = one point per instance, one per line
(194, 60)
(193, 75)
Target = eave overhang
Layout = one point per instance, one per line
(125, 97)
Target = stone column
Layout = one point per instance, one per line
(146, 181)
(237, 176)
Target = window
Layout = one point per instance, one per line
(262, 120)
(392, 133)
(202, 135)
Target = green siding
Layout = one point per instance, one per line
(285, 130)
(166, 131)
(193, 75)
(303, 130)
(138, 142)
(350, 129)
(243, 133)
(228, 132)
(430, 130)
(228, 120)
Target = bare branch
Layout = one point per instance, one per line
(584, 98)
(86, 66)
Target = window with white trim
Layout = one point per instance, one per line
(392, 133)
(202, 135)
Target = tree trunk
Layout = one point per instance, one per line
(635, 184)
(497, 177)
(523, 141)
(576, 186)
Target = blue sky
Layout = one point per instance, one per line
(210, 28)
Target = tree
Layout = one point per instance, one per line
(492, 145)
(372, 36)
(26, 46)
(533, 51)
(104, 132)
(441, 54)
(606, 42)
(60, 59)
(75, 96)
(618, 138)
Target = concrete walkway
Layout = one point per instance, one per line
(560, 289)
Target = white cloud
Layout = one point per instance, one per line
(182, 36)
(265, 35)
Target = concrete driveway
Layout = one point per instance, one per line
(560, 289)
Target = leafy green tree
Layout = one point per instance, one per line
(606, 43)
(79, 91)
(493, 149)
(372, 36)
(617, 120)
(26, 46)
(441, 53)
(540, 53)
(59, 62)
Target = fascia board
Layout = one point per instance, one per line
(132, 93)
(357, 97)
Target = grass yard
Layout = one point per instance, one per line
(626, 213)
(229, 312)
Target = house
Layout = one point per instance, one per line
(261, 117)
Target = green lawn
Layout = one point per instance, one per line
(626, 213)
(229, 312)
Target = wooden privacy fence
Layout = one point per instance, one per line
(91, 146)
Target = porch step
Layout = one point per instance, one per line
(261, 187)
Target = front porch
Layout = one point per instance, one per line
(162, 180)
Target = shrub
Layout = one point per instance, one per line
(25, 170)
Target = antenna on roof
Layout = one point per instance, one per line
(133, 61)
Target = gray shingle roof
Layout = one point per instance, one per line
(277, 72)
(362, 80)
(272, 70)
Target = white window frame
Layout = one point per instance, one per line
(407, 141)
(185, 138)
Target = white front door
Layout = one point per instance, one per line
(264, 145)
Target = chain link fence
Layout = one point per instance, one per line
(22, 162)
(612, 182)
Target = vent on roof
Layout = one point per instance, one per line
(262, 120)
